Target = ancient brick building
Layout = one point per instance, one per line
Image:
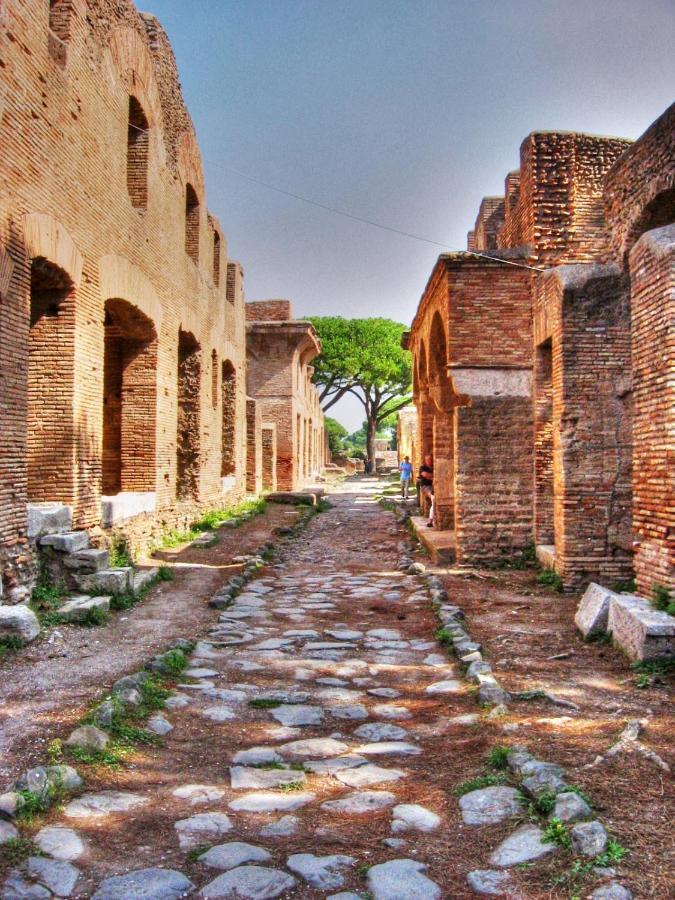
(122, 344)
(406, 434)
(541, 388)
(290, 427)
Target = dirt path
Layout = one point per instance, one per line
(47, 686)
(320, 741)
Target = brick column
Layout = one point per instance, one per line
(652, 268)
(444, 475)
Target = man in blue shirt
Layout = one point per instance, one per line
(406, 474)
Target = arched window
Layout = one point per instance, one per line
(191, 224)
(137, 155)
(216, 258)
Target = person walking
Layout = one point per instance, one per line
(406, 474)
(426, 476)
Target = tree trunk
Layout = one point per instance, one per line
(370, 444)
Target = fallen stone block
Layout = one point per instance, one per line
(79, 608)
(593, 611)
(640, 630)
(88, 737)
(19, 622)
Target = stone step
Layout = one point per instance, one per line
(87, 561)
(143, 577)
(67, 541)
(78, 608)
(48, 518)
(111, 581)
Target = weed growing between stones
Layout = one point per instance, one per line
(290, 786)
(164, 573)
(498, 757)
(129, 599)
(119, 552)
(94, 618)
(480, 781)
(653, 672)
(265, 703)
(625, 587)
(47, 597)
(549, 578)
(556, 833)
(16, 850)
(32, 805)
(10, 643)
(214, 518)
(662, 599)
(194, 854)
(573, 877)
(542, 805)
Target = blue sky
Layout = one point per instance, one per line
(407, 112)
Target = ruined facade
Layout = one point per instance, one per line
(290, 432)
(541, 372)
(122, 341)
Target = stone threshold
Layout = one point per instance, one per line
(440, 545)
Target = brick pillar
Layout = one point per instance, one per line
(253, 447)
(652, 264)
(444, 476)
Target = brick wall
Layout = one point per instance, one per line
(268, 311)
(101, 204)
(253, 447)
(652, 273)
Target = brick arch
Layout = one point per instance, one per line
(133, 65)
(121, 279)
(46, 237)
(438, 349)
(656, 210)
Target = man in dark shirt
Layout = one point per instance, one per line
(426, 476)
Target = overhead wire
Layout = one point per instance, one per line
(363, 219)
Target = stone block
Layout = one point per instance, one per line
(143, 577)
(19, 622)
(545, 554)
(48, 518)
(593, 611)
(127, 505)
(78, 609)
(293, 497)
(113, 581)
(640, 630)
(87, 561)
(66, 542)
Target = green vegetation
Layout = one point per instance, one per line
(120, 554)
(290, 786)
(655, 668)
(33, 805)
(209, 521)
(47, 597)
(573, 789)
(551, 579)
(498, 757)
(194, 854)
(556, 833)
(662, 599)
(579, 871)
(444, 637)
(55, 752)
(10, 643)
(94, 617)
(480, 781)
(542, 805)
(627, 587)
(16, 850)
(363, 357)
(174, 662)
(336, 435)
(165, 573)
(265, 703)
(272, 764)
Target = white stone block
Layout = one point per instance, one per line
(593, 611)
(126, 505)
(48, 518)
(77, 609)
(545, 554)
(20, 622)
(640, 630)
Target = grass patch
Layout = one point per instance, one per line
(47, 597)
(549, 578)
(194, 854)
(474, 784)
(660, 597)
(165, 573)
(444, 637)
(16, 850)
(94, 618)
(175, 538)
(625, 587)
(265, 703)
(55, 752)
(498, 757)
(10, 643)
(556, 833)
(174, 662)
(272, 764)
(579, 871)
(214, 518)
(290, 786)
(120, 554)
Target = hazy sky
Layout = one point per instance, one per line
(407, 112)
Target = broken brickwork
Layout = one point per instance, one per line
(279, 377)
(545, 398)
(115, 321)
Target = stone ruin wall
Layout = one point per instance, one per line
(108, 247)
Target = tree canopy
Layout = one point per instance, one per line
(363, 357)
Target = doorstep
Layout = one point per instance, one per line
(439, 544)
